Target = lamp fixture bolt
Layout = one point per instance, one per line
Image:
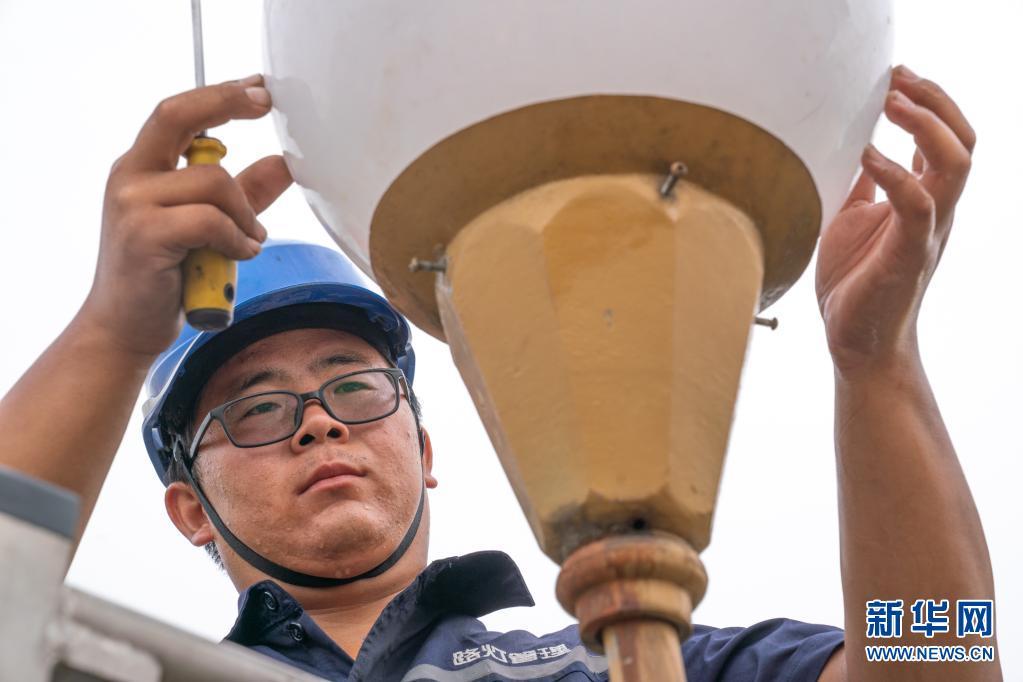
(420, 264)
(763, 321)
(675, 171)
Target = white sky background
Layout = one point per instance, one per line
(78, 80)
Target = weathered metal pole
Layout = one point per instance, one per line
(51, 633)
(37, 524)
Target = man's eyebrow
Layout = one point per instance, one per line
(274, 374)
(336, 359)
(269, 374)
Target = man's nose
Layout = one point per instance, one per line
(318, 427)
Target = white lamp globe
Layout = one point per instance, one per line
(364, 90)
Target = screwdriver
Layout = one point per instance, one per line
(210, 278)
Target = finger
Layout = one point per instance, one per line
(929, 95)
(862, 192)
(918, 162)
(178, 119)
(264, 181)
(909, 199)
(196, 226)
(948, 161)
(204, 184)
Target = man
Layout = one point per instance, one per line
(292, 443)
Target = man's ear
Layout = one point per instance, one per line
(428, 478)
(186, 513)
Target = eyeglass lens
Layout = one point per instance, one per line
(354, 398)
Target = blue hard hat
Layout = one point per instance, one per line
(289, 285)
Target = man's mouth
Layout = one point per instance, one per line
(330, 474)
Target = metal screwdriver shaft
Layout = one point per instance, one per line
(209, 277)
(200, 65)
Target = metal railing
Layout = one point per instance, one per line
(53, 633)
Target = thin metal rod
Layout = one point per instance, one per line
(200, 64)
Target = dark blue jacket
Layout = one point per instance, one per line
(431, 631)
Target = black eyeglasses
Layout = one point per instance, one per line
(264, 418)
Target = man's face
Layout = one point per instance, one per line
(341, 526)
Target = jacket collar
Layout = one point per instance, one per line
(472, 585)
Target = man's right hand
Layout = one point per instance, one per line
(88, 379)
(155, 213)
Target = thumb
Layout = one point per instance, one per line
(862, 191)
(264, 181)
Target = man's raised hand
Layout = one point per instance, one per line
(155, 213)
(876, 259)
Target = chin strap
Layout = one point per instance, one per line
(285, 574)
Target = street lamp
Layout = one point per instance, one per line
(590, 202)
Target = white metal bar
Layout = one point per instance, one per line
(86, 651)
(52, 632)
(32, 565)
(183, 656)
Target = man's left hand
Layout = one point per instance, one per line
(876, 258)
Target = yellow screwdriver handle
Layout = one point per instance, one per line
(210, 278)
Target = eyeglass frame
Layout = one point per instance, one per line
(398, 381)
